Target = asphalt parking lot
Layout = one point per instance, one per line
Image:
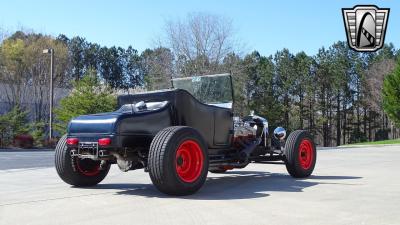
(349, 186)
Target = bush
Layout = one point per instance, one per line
(12, 124)
(23, 141)
(88, 96)
(357, 136)
(381, 135)
(38, 132)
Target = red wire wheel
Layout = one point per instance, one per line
(88, 167)
(189, 161)
(306, 154)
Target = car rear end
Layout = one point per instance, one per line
(92, 136)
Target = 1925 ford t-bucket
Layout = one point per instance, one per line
(178, 136)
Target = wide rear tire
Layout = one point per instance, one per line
(300, 154)
(178, 161)
(75, 171)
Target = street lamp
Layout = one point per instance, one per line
(51, 52)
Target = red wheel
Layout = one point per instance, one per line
(75, 171)
(300, 154)
(189, 161)
(88, 167)
(306, 154)
(178, 160)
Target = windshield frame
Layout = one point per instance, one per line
(201, 76)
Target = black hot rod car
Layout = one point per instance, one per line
(177, 135)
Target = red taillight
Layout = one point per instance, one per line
(72, 141)
(104, 141)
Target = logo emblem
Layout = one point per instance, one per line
(365, 27)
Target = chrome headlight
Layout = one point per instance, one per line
(279, 133)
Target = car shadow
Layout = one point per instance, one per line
(236, 185)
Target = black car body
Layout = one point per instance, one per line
(134, 126)
(177, 135)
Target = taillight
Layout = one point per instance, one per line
(104, 141)
(72, 141)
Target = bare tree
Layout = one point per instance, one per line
(199, 43)
(24, 72)
(374, 84)
(374, 79)
(3, 34)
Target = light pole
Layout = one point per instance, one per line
(51, 52)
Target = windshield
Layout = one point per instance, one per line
(209, 89)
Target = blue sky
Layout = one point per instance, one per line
(266, 26)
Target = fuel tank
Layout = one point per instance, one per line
(96, 123)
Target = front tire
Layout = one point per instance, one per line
(300, 154)
(178, 161)
(77, 172)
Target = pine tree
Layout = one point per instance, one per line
(391, 95)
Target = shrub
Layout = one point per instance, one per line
(23, 141)
(88, 96)
(38, 132)
(357, 136)
(381, 135)
(12, 124)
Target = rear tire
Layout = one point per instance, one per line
(178, 161)
(300, 154)
(75, 171)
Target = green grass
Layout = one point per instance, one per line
(385, 142)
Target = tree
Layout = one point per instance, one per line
(391, 95)
(88, 96)
(324, 83)
(13, 73)
(263, 94)
(199, 43)
(303, 84)
(132, 68)
(285, 77)
(24, 71)
(110, 68)
(38, 71)
(157, 65)
(340, 66)
(234, 65)
(77, 46)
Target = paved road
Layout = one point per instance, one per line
(26, 159)
(349, 186)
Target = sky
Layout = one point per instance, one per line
(266, 26)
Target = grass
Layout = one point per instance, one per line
(385, 142)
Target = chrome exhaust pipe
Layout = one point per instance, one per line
(103, 153)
